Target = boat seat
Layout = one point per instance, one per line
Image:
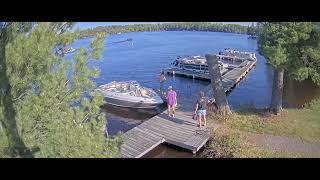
(127, 92)
(144, 93)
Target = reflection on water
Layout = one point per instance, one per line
(296, 94)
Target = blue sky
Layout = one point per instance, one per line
(86, 25)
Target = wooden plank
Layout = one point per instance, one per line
(167, 133)
(176, 130)
(143, 149)
(181, 128)
(140, 146)
(133, 145)
(150, 134)
(136, 145)
(183, 120)
(180, 144)
(150, 148)
(141, 134)
(140, 139)
(132, 151)
(125, 153)
(136, 149)
(197, 140)
(164, 132)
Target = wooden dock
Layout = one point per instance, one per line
(181, 131)
(189, 74)
(233, 77)
(230, 78)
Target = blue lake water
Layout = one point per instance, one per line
(148, 53)
(143, 58)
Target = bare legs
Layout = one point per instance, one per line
(202, 118)
(199, 120)
(171, 110)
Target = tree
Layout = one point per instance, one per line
(55, 108)
(292, 48)
(8, 127)
(196, 26)
(217, 86)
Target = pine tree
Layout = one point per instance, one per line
(55, 110)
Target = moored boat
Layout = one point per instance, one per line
(130, 94)
(236, 55)
(66, 50)
(195, 64)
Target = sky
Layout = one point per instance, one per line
(86, 25)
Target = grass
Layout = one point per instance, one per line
(296, 123)
(226, 143)
(229, 140)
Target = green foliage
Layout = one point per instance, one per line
(293, 46)
(98, 44)
(185, 26)
(252, 30)
(43, 94)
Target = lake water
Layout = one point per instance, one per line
(148, 53)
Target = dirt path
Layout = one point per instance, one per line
(281, 143)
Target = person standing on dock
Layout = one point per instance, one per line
(201, 109)
(162, 79)
(171, 101)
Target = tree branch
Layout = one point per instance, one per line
(18, 98)
(85, 118)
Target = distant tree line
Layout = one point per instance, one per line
(185, 26)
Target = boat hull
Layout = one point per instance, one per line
(130, 104)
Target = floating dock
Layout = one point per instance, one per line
(181, 131)
(234, 76)
(230, 78)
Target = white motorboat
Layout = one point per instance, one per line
(228, 53)
(66, 50)
(69, 50)
(129, 94)
(196, 64)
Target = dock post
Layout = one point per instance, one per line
(173, 72)
(193, 76)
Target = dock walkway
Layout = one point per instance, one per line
(181, 131)
(229, 79)
(234, 76)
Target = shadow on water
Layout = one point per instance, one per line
(123, 119)
(169, 151)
